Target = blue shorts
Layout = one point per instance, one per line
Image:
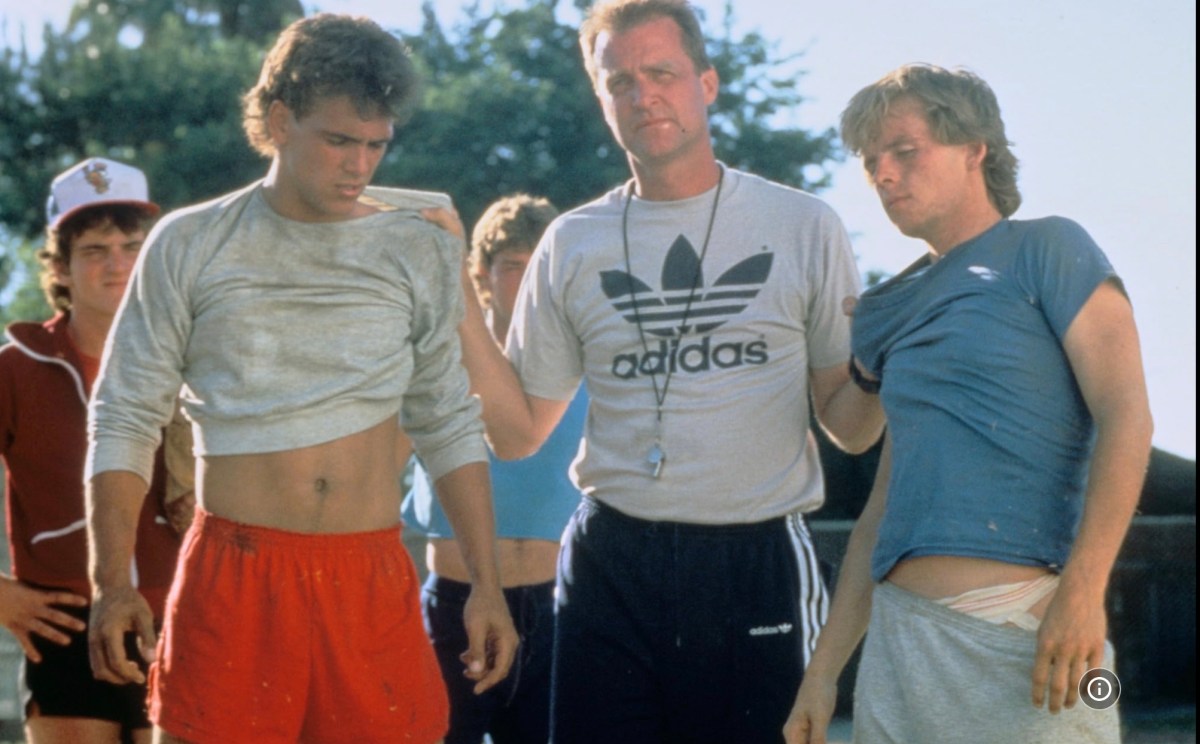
(672, 632)
(516, 711)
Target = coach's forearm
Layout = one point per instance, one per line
(507, 413)
(852, 418)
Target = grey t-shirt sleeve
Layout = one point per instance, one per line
(140, 373)
(438, 411)
(544, 349)
(834, 276)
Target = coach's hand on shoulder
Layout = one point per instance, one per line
(849, 305)
(491, 636)
(447, 219)
(25, 612)
(115, 612)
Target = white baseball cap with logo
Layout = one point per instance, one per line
(95, 182)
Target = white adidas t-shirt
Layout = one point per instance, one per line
(735, 427)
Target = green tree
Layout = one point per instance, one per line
(252, 19)
(150, 82)
(153, 82)
(759, 84)
(166, 101)
(508, 107)
(24, 300)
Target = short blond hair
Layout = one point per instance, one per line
(960, 108)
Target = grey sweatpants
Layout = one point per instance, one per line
(932, 675)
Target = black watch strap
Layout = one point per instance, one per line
(871, 387)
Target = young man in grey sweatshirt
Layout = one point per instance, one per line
(305, 321)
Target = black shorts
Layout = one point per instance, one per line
(516, 711)
(62, 685)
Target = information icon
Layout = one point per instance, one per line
(1099, 689)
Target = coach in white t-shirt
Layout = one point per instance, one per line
(702, 306)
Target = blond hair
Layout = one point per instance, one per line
(960, 108)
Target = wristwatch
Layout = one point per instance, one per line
(871, 387)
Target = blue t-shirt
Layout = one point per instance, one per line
(533, 497)
(991, 438)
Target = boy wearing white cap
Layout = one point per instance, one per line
(97, 216)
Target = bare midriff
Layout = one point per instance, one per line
(522, 562)
(939, 576)
(346, 485)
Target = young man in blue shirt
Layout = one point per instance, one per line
(1019, 433)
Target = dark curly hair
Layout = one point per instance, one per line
(55, 255)
(331, 55)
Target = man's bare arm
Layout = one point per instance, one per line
(852, 418)
(114, 503)
(1102, 346)
(466, 498)
(517, 423)
(26, 612)
(848, 618)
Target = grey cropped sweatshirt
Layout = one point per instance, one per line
(285, 334)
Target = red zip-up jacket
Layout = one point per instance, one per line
(43, 440)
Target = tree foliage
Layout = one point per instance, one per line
(258, 20)
(507, 107)
(139, 81)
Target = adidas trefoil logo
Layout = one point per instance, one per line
(662, 313)
(781, 629)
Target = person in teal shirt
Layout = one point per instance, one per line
(534, 498)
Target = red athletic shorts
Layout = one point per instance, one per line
(274, 636)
